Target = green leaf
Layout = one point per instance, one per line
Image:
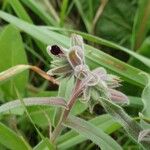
(141, 23)
(71, 138)
(27, 113)
(34, 101)
(130, 125)
(94, 57)
(115, 22)
(135, 102)
(12, 53)
(39, 10)
(101, 41)
(91, 132)
(143, 50)
(84, 18)
(11, 140)
(97, 58)
(19, 10)
(78, 108)
(146, 98)
(144, 60)
(42, 116)
(63, 11)
(65, 89)
(45, 145)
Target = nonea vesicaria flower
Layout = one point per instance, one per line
(95, 84)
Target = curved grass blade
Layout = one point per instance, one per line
(146, 98)
(97, 58)
(143, 51)
(94, 57)
(34, 101)
(19, 10)
(107, 43)
(101, 41)
(84, 18)
(13, 71)
(91, 132)
(71, 138)
(130, 125)
(37, 9)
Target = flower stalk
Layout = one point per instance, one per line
(76, 92)
(71, 62)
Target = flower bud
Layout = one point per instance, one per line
(74, 56)
(77, 40)
(55, 50)
(118, 97)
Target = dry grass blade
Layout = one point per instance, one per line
(99, 12)
(7, 74)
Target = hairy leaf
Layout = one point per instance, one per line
(91, 132)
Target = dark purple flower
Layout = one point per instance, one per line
(55, 50)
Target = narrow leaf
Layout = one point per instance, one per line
(13, 71)
(93, 133)
(71, 138)
(146, 98)
(145, 61)
(45, 145)
(12, 53)
(39, 10)
(19, 10)
(130, 125)
(141, 23)
(11, 140)
(94, 57)
(34, 101)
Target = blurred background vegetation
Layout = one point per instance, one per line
(118, 28)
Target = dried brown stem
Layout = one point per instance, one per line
(43, 74)
(99, 13)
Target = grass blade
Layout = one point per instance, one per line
(45, 145)
(71, 138)
(13, 71)
(84, 18)
(34, 101)
(12, 53)
(11, 140)
(19, 9)
(37, 9)
(130, 125)
(63, 11)
(93, 133)
(146, 98)
(141, 24)
(95, 58)
(107, 43)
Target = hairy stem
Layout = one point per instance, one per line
(76, 92)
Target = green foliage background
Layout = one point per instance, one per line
(119, 41)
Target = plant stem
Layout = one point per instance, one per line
(76, 92)
(99, 13)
